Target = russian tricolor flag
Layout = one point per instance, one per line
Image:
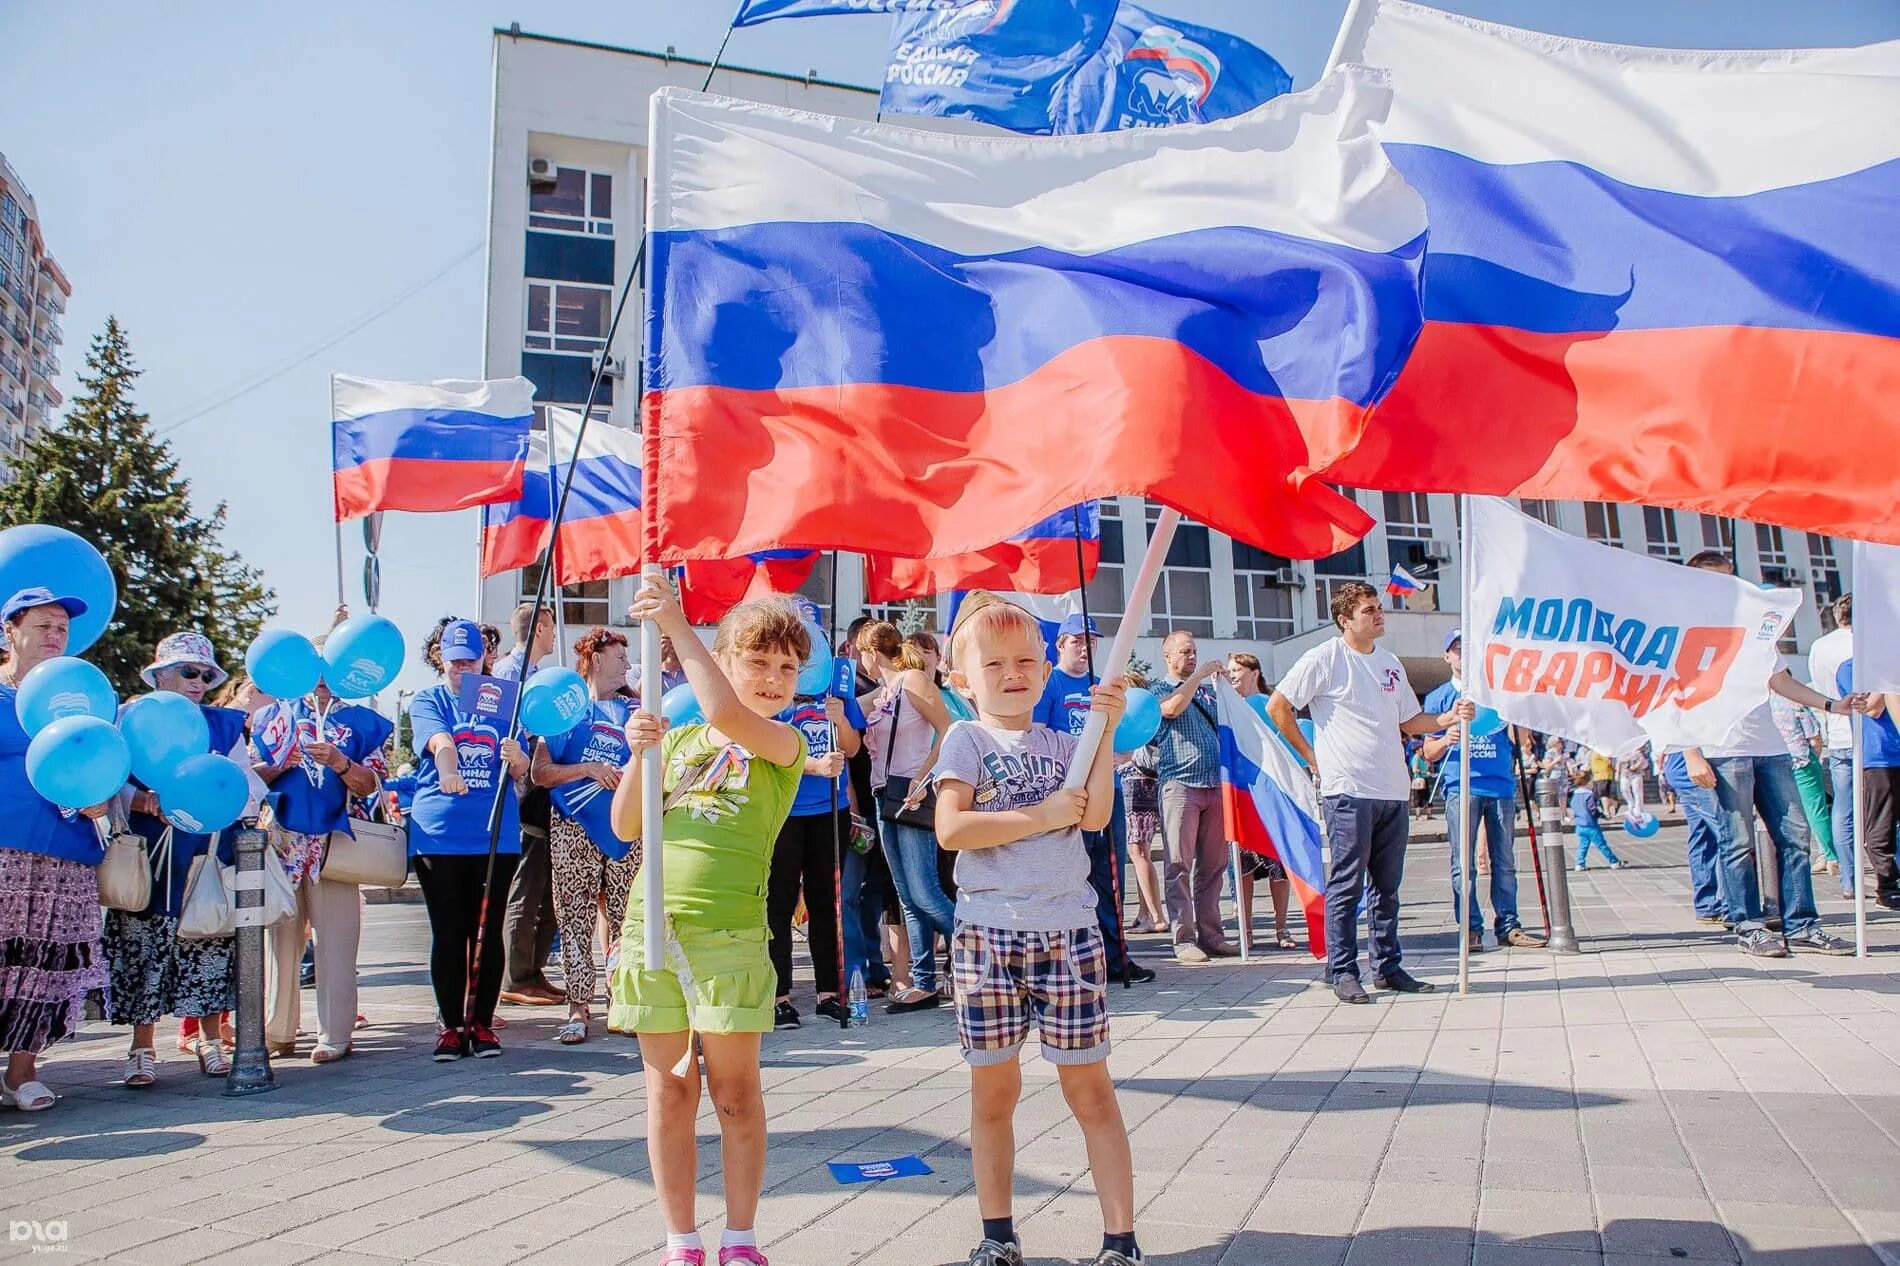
(1043, 559)
(1050, 610)
(600, 534)
(1403, 583)
(1270, 805)
(427, 446)
(864, 336)
(514, 533)
(710, 588)
(1668, 276)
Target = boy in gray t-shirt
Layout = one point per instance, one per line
(1027, 947)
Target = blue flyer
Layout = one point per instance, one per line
(848, 1172)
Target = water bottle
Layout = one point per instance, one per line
(860, 1001)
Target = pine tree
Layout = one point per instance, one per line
(105, 475)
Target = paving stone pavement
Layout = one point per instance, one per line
(1658, 1097)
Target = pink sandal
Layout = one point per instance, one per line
(684, 1257)
(742, 1255)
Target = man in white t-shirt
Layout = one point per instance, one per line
(1363, 706)
(1752, 772)
(1825, 657)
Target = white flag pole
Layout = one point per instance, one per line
(1139, 594)
(1351, 31)
(1858, 721)
(652, 806)
(1467, 832)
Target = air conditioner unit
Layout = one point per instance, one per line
(1787, 577)
(616, 367)
(1286, 578)
(1437, 551)
(542, 175)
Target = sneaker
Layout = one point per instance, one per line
(1518, 938)
(1476, 941)
(833, 1010)
(1115, 1257)
(1402, 981)
(785, 1016)
(1191, 955)
(995, 1253)
(1761, 943)
(482, 1042)
(742, 1253)
(1619, 865)
(1815, 941)
(1348, 989)
(1581, 869)
(449, 1047)
(1137, 974)
(1885, 901)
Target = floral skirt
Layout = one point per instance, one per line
(49, 948)
(154, 974)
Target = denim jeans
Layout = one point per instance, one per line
(928, 911)
(1367, 839)
(1745, 785)
(1106, 850)
(1495, 815)
(1589, 836)
(1707, 830)
(1840, 777)
(863, 911)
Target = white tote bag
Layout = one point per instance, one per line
(208, 912)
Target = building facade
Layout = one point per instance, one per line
(566, 218)
(33, 295)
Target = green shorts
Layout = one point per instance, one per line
(726, 973)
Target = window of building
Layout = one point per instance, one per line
(1827, 575)
(1544, 512)
(582, 606)
(1330, 573)
(1184, 596)
(1603, 522)
(1263, 593)
(565, 317)
(1408, 533)
(1718, 533)
(1771, 552)
(580, 202)
(1660, 526)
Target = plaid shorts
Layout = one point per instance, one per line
(1004, 979)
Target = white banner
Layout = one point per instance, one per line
(1876, 617)
(1608, 647)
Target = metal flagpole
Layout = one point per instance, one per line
(1858, 721)
(1467, 832)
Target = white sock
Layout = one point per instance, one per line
(688, 1240)
(730, 1238)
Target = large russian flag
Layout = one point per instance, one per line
(1270, 806)
(867, 337)
(709, 589)
(427, 446)
(1043, 559)
(600, 535)
(514, 533)
(1655, 275)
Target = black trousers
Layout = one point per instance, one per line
(1368, 845)
(530, 925)
(452, 892)
(1880, 796)
(803, 858)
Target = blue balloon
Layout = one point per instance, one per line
(554, 701)
(284, 663)
(162, 730)
(65, 687)
(1309, 730)
(1486, 723)
(1259, 704)
(681, 707)
(361, 656)
(1642, 828)
(39, 554)
(77, 762)
(1140, 722)
(815, 677)
(204, 794)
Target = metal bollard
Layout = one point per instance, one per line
(250, 1067)
(1550, 817)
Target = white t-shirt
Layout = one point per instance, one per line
(1358, 703)
(1825, 658)
(1757, 735)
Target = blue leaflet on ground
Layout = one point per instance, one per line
(848, 1172)
(488, 698)
(755, 11)
(1070, 66)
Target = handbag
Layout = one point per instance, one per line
(208, 912)
(125, 876)
(896, 789)
(373, 853)
(280, 896)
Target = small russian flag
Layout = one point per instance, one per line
(1403, 583)
(1270, 806)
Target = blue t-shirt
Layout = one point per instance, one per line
(227, 727)
(1585, 807)
(458, 825)
(808, 716)
(1065, 702)
(602, 737)
(1880, 738)
(1491, 773)
(34, 823)
(310, 797)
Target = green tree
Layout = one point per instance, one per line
(105, 475)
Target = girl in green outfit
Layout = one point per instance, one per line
(729, 784)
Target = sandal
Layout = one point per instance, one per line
(573, 1033)
(141, 1067)
(31, 1097)
(913, 999)
(1285, 940)
(212, 1061)
(330, 1054)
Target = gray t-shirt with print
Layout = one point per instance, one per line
(1038, 884)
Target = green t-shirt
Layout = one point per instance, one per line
(719, 838)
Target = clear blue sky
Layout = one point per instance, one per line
(239, 182)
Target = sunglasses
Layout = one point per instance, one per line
(189, 673)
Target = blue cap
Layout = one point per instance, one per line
(1453, 638)
(462, 642)
(1075, 624)
(39, 596)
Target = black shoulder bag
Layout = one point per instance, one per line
(891, 797)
